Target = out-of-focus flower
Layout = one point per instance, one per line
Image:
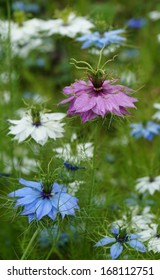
(40, 199)
(40, 126)
(72, 26)
(154, 15)
(23, 165)
(147, 130)
(137, 219)
(136, 23)
(109, 50)
(157, 114)
(120, 238)
(73, 187)
(32, 7)
(101, 40)
(83, 152)
(128, 78)
(129, 54)
(148, 184)
(152, 235)
(139, 199)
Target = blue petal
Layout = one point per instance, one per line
(29, 208)
(21, 192)
(104, 241)
(115, 250)
(53, 213)
(26, 200)
(31, 218)
(43, 207)
(31, 184)
(58, 188)
(65, 203)
(115, 230)
(139, 246)
(133, 236)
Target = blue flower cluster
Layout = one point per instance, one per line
(37, 202)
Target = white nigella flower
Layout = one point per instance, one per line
(141, 219)
(30, 35)
(82, 152)
(73, 187)
(128, 77)
(40, 126)
(148, 233)
(137, 220)
(151, 235)
(154, 15)
(24, 165)
(157, 114)
(148, 184)
(72, 27)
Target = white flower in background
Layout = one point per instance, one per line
(148, 233)
(82, 152)
(156, 116)
(6, 97)
(148, 184)
(72, 27)
(128, 77)
(40, 126)
(110, 49)
(158, 37)
(153, 237)
(73, 187)
(154, 15)
(31, 34)
(137, 219)
(24, 165)
(99, 200)
(141, 219)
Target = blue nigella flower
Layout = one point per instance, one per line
(20, 6)
(39, 200)
(119, 238)
(101, 40)
(136, 23)
(52, 234)
(147, 130)
(72, 167)
(139, 199)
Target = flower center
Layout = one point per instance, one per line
(47, 191)
(47, 195)
(151, 180)
(122, 236)
(36, 119)
(97, 78)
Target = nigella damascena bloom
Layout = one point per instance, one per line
(97, 96)
(120, 238)
(40, 199)
(39, 126)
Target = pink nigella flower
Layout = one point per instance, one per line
(89, 102)
(97, 96)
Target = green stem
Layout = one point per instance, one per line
(30, 244)
(53, 247)
(93, 166)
